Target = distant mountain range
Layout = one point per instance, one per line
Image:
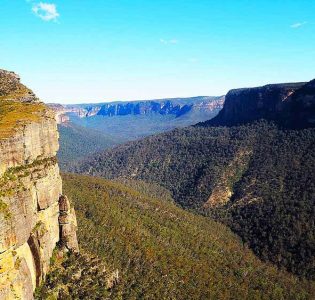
(89, 128)
(171, 106)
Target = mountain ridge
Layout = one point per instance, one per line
(175, 106)
(273, 102)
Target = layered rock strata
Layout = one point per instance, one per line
(30, 189)
(290, 105)
(67, 225)
(176, 106)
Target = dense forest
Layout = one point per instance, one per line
(164, 252)
(77, 142)
(257, 178)
(77, 276)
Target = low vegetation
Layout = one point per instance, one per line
(14, 113)
(165, 252)
(76, 276)
(4, 210)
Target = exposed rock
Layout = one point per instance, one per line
(31, 141)
(176, 106)
(64, 204)
(223, 190)
(12, 89)
(300, 108)
(30, 187)
(291, 105)
(60, 113)
(67, 224)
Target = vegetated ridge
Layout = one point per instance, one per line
(255, 175)
(165, 252)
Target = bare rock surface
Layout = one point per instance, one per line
(30, 187)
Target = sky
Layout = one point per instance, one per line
(72, 51)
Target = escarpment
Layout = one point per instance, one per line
(291, 105)
(30, 191)
(174, 106)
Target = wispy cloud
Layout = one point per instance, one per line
(46, 11)
(298, 25)
(172, 41)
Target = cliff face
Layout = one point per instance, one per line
(291, 104)
(300, 109)
(33, 213)
(176, 106)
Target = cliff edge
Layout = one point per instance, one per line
(34, 215)
(291, 105)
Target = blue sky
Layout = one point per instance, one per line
(81, 50)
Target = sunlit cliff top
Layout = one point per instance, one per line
(18, 104)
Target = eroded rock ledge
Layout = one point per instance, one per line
(32, 220)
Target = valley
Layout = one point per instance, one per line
(257, 177)
(222, 209)
(157, 150)
(96, 127)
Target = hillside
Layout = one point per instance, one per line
(77, 142)
(257, 178)
(164, 252)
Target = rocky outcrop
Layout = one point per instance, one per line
(222, 191)
(30, 188)
(290, 105)
(31, 141)
(67, 225)
(300, 108)
(12, 89)
(60, 113)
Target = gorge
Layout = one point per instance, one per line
(219, 210)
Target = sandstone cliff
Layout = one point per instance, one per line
(34, 216)
(174, 106)
(290, 105)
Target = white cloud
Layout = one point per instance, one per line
(298, 24)
(172, 41)
(46, 11)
